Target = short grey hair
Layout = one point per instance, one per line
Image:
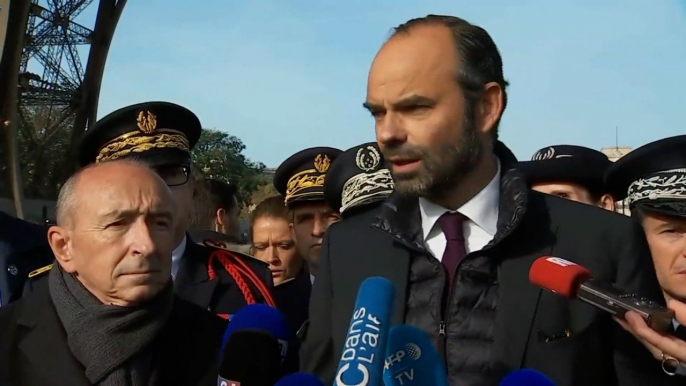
(66, 199)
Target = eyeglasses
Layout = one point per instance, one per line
(173, 175)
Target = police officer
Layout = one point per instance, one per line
(572, 172)
(300, 180)
(24, 249)
(358, 180)
(162, 135)
(652, 178)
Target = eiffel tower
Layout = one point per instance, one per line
(51, 68)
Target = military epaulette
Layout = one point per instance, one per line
(40, 271)
(233, 248)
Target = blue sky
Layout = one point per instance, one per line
(284, 75)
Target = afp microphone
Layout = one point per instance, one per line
(412, 360)
(526, 378)
(362, 360)
(253, 347)
(299, 379)
(573, 281)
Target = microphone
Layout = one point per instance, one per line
(362, 359)
(299, 379)
(411, 359)
(526, 378)
(250, 358)
(261, 317)
(572, 281)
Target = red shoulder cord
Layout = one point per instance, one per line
(238, 269)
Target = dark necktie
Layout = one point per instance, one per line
(455, 248)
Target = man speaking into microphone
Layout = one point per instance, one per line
(459, 235)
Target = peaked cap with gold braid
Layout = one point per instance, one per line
(152, 130)
(301, 176)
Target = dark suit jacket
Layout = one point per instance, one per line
(597, 351)
(222, 295)
(34, 350)
(23, 248)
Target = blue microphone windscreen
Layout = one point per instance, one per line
(299, 379)
(526, 378)
(260, 317)
(365, 345)
(411, 359)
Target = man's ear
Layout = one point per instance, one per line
(490, 107)
(608, 202)
(220, 217)
(292, 229)
(59, 240)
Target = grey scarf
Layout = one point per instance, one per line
(111, 342)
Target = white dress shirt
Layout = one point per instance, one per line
(479, 230)
(176, 257)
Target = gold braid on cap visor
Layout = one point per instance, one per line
(304, 180)
(138, 142)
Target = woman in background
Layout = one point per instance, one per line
(273, 241)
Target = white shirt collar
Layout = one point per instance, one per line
(177, 253)
(311, 279)
(482, 209)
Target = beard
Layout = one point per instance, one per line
(443, 167)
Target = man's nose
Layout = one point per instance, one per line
(390, 130)
(319, 227)
(143, 242)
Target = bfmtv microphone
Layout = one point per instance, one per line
(299, 379)
(261, 317)
(526, 378)
(412, 360)
(574, 281)
(365, 345)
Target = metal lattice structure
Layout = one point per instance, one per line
(57, 89)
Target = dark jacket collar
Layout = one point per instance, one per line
(400, 216)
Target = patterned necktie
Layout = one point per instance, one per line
(455, 248)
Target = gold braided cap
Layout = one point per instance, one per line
(301, 183)
(147, 137)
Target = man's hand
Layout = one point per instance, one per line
(659, 345)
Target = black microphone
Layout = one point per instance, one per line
(250, 357)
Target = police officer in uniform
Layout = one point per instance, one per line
(652, 178)
(300, 180)
(572, 172)
(24, 249)
(162, 135)
(358, 180)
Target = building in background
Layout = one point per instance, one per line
(615, 153)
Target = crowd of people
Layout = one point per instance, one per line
(143, 271)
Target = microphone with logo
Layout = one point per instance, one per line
(573, 281)
(526, 377)
(254, 345)
(411, 359)
(299, 379)
(365, 345)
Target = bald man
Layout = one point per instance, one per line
(106, 311)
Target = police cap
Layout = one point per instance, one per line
(653, 176)
(158, 132)
(301, 177)
(358, 177)
(567, 163)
